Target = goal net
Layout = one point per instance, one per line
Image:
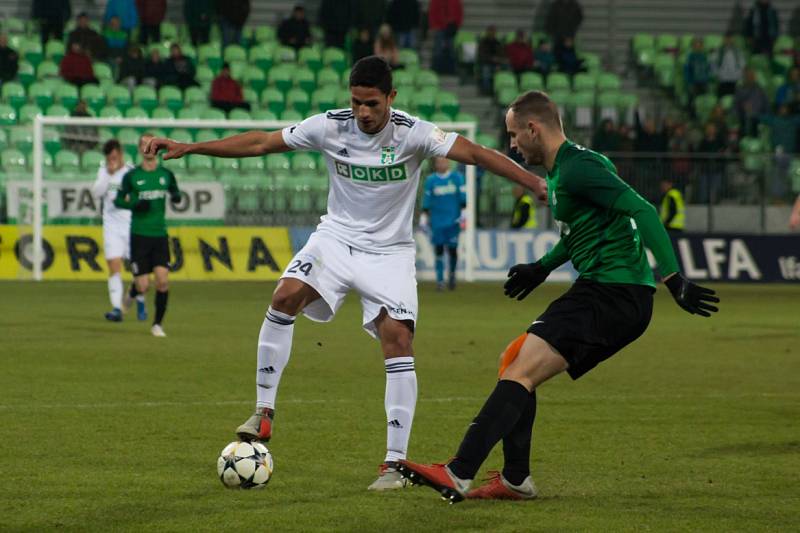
(237, 219)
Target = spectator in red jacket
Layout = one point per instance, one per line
(444, 19)
(226, 93)
(151, 15)
(76, 67)
(520, 53)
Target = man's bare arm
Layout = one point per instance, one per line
(249, 144)
(469, 153)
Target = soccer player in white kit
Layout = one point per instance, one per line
(116, 223)
(364, 243)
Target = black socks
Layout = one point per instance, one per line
(161, 306)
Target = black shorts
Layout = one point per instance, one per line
(592, 321)
(147, 253)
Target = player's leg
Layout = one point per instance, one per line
(115, 289)
(511, 399)
(452, 255)
(140, 265)
(161, 277)
(400, 398)
(304, 286)
(438, 250)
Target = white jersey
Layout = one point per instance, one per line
(105, 189)
(374, 177)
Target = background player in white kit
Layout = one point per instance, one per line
(363, 243)
(116, 226)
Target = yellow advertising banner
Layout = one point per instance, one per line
(197, 253)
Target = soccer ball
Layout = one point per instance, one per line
(244, 465)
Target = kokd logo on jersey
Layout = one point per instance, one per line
(371, 174)
(387, 155)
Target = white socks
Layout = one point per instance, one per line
(274, 347)
(400, 401)
(115, 290)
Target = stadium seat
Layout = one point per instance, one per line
(120, 96)
(237, 69)
(292, 115)
(784, 44)
(26, 73)
(200, 162)
(753, 154)
(110, 111)
(212, 113)
(261, 56)
(91, 159)
(67, 160)
(234, 52)
(643, 41)
(439, 117)
(226, 165)
(170, 97)
(145, 97)
(204, 74)
(402, 79)
(264, 34)
(712, 41)
(67, 95)
(281, 77)
(506, 96)
(93, 95)
(263, 114)
(137, 112)
(11, 159)
(298, 100)
(608, 105)
(424, 103)
(57, 110)
(52, 141)
(176, 165)
(195, 95)
(504, 80)
(667, 42)
(704, 104)
(608, 82)
(584, 82)
(21, 138)
(162, 113)
(28, 112)
(32, 52)
(54, 50)
(209, 55)
(274, 100)
(344, 98)
(530, 81)
(310, 58)
(447, 102)
(14, 25)
(102, 71)
(409, 59)
(13, 93)
(557, 81)
(129, 139)
(426, 79)
(190, 113)
(466, 117)
(206, 135)
(255, 78)
(581, 108)
(304, 161)
(335, 58)
(181, 135)
(304, 79)
(284, 54)
(248, 164)
(591, 61)
(239, 114)
(277, 163)
(323, 99)
(664, 68)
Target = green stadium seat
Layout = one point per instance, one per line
(448, 103)
(181, 135)
(195, 95)
(33, 52)
(487, 140)
(239, 114)
(263, 114)
(255, 78)
(237, 69)
(274, 100)
(562, 98)
(91, 159)
(52, 141)
(284, 54)
(664, 68)
(21, 138)
(505, 96)
(784, 44)
(176, 165)
(250, 96)
(403, 79)
(304, 161)
(278, 163)
(226, 164)
(234, 52)
(264, 34)
(204, 75)
(298, 100)
(667, 42)
(439, 117)
(529, 81)
(409, 59)
(111, 111)
(504, 80)
(210, 55)
(754, 154)
(14, 25)
(592, 62)
(200, 162)
(94, 96)
(13, 93)
(212, 113)
(643, 41)
(162, 113)
(310, 58)
(28, 112)
(281, 77)
(145, 97)
(466, 117)
(581, 108)
(557, 81)
(584, 82)
(190, 113)
(137, 112)
(712, 41)
(323, 99)
(57, 110)
(54, 50)
(67, 95)
(291, 115)
(129, 139)
(334, 58)
(608, 105)
(344, 98)
(261, 56)
(426, 79)
(26, 73)
(704, 104)
(171, 97)
(102, 71)
(608, 82)
(12, 159)
(67, 160)
(169, 32)
(206, 135)
(248, 164)
(645, 57)
(424, 103)
(120, 96)
(198, 175)
(304, 78)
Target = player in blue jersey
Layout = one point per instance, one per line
(442, 204)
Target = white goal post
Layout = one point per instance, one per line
(467, 129)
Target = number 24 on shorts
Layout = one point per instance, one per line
(305, 268)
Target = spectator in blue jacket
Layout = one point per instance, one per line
(696, 71)
(125, 10)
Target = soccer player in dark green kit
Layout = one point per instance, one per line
(144, 191)
(604, 225)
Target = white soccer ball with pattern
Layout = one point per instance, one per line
(245, 465)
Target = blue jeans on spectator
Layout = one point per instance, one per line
(486, 72)
(407, 39)
(231, 34)
(444, 57)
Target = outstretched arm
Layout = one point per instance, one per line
(794, 219)
(249, 144)
(470, 153)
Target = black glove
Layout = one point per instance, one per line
(523, 278)
(692, 297)
(142, 206)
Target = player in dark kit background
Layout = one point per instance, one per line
(145, 190)
(604, 225)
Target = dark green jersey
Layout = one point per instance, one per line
(145, 193)
(600, 218)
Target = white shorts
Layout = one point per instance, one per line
(116, 242)
(332, 268)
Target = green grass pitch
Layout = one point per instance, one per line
(103, 427)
